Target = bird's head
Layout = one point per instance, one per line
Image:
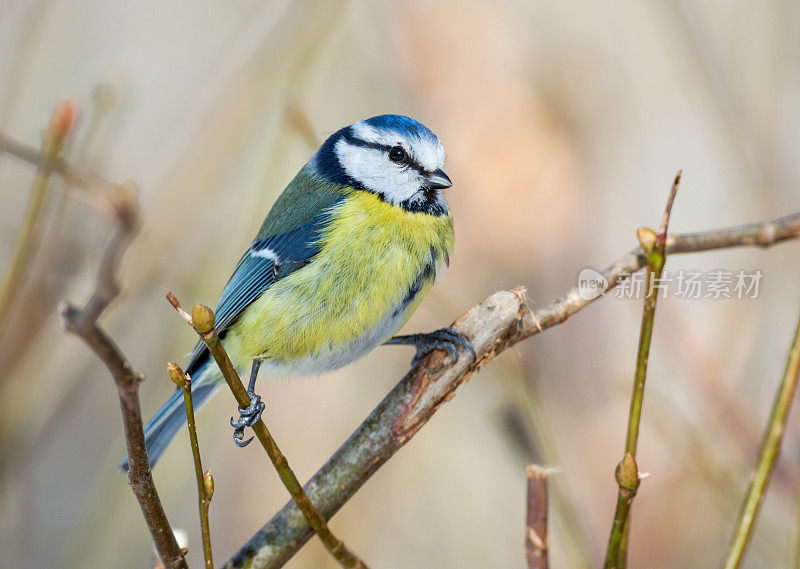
(393, 156)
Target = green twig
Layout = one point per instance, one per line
(627, 472)
(53, 140)
(767, 456)
(205, 482)
(622, 554)
(202, 320)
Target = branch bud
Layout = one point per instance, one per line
(627, 473)
(176, 374)
(208, 484)
(203, 318)
(647, 238)
(62, 120)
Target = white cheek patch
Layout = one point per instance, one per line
(373, 169)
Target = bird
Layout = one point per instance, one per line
(343, 258)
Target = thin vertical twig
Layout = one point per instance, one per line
(205, 482)
(53, 141)
(536, 517)
(202, 320)
(627, 471)
(767, 456)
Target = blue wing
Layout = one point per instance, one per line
(265, 261)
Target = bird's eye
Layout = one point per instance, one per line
(397, 154)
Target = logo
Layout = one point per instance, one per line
(591, 284)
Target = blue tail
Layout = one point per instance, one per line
(171, 418)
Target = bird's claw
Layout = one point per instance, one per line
(238, 435)
(448, 339)
(248, 416)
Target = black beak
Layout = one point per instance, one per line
(438, 180)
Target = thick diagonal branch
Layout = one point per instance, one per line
(498, 322)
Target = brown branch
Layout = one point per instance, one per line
(536, 517)
(139, 475)
(500, 321)
(83, 323)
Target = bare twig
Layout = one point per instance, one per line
(767, 456)
(762, 234)
(627, 472)
(205, 482)
(54, 139)
(536, 517)
(202, 320)
(498, 322)
(83, 323)
(139, 475)
(85, 181)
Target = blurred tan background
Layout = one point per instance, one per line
(564, 123)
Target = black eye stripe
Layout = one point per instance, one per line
(410, 162)
(415, 165)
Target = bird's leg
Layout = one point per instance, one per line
(250, 415)
(448, 339)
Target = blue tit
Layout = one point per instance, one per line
(342, 260)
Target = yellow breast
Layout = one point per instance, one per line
(372, 253)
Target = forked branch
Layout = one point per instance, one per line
(83, 323)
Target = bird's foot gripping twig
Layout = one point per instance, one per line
(448, 339)
(250, 415)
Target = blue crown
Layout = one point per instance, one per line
(406, 126)
(327, 163)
